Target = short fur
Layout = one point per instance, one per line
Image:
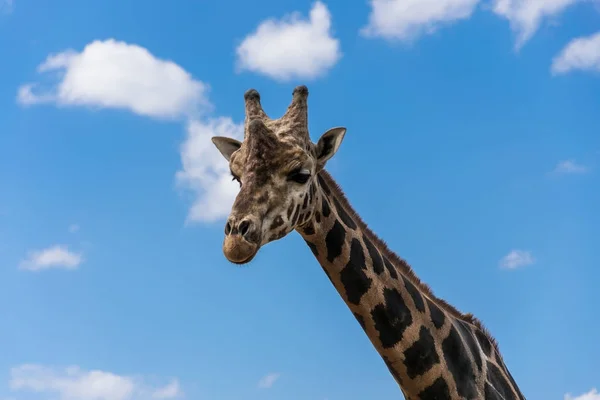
(432, 350)
(406, 270)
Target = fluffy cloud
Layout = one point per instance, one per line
(58, 257)
(408, 19)
(582, 53)
(291, 47)
(73, 383)
(525, 16)
(113, 74)
(267, 381)
(591, 395)
(570, 167)
(516, 259)
(205, 171)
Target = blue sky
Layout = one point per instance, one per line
(473, 149)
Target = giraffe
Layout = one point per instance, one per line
(432, 350)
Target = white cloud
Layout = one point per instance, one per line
(169, 391)
(58, 257)
(591, 395)
(406, 20)
(267, 381)
(291, 47)
(570, 167)
(516, 259)
(205, 171)
(25, 95)
(73, 228)
(582, 53)
(525, 16)
(114, 74)
(73, 383)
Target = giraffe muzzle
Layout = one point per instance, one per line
(240, 244)
(238, 250)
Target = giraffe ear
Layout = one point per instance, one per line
(227, 146)
(328, 144)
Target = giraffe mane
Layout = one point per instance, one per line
(405, 268)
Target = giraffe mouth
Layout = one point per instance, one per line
(238, 250)
(245, 261)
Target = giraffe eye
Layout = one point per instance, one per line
(234, 177)
(299, 175)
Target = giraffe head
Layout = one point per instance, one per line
(276, 165)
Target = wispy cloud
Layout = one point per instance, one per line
(291, 47)
(525, 16)
(74, 383)
(591, 395)
(267, 381)
(582, 53)
(570, 167)
(170, 391)
(55, 257)
(516, 259)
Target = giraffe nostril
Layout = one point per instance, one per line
(243, 227)
(227, 228)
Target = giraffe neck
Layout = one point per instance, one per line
(431, 349)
